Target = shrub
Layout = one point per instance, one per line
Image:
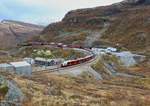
(3, 89)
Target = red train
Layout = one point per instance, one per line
(60, 45)
(75, 46)
(78, 61)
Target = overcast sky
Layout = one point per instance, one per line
(44, 11)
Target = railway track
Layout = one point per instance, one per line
(64, 68)
(74, 63)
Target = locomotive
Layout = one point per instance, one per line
(78, 61)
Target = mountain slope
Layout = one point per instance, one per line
(14, 32)
(129, 25)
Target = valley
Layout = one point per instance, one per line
(93, 57)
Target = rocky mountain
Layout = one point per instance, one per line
(126, 24)
(136, 2)
(14, 32)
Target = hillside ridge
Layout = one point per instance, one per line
(14, 32)
(128, 25)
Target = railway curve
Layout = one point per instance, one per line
(70, 63)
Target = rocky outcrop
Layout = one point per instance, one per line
(87, 18)
(128, 24)
(13, 94)
(137, 2)
(95, 17)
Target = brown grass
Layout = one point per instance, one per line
(49, 89)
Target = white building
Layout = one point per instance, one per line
(48, 62)
(111, 49)
(6, 67)
(99, 51)
(22, 68)
(29, 60)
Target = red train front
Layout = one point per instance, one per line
(78, 61)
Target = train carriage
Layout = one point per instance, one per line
(78, 61)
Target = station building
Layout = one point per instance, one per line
(21, 68)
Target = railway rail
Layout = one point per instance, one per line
(69, 63)
(64, 68)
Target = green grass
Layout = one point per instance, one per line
(49, 53)
(3, 89)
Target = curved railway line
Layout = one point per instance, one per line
(68, 64)
(78, 63)
(64, 68)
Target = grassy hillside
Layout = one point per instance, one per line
(131, 29)
(49, 89)
(126, 24)
(14, 32)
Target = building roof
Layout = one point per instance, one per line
(20, 64)
(47, 60)
(5, 65)
(111, 49)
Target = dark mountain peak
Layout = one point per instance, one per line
(136, 2)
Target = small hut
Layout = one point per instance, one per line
(22, 68)
(6, 67)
